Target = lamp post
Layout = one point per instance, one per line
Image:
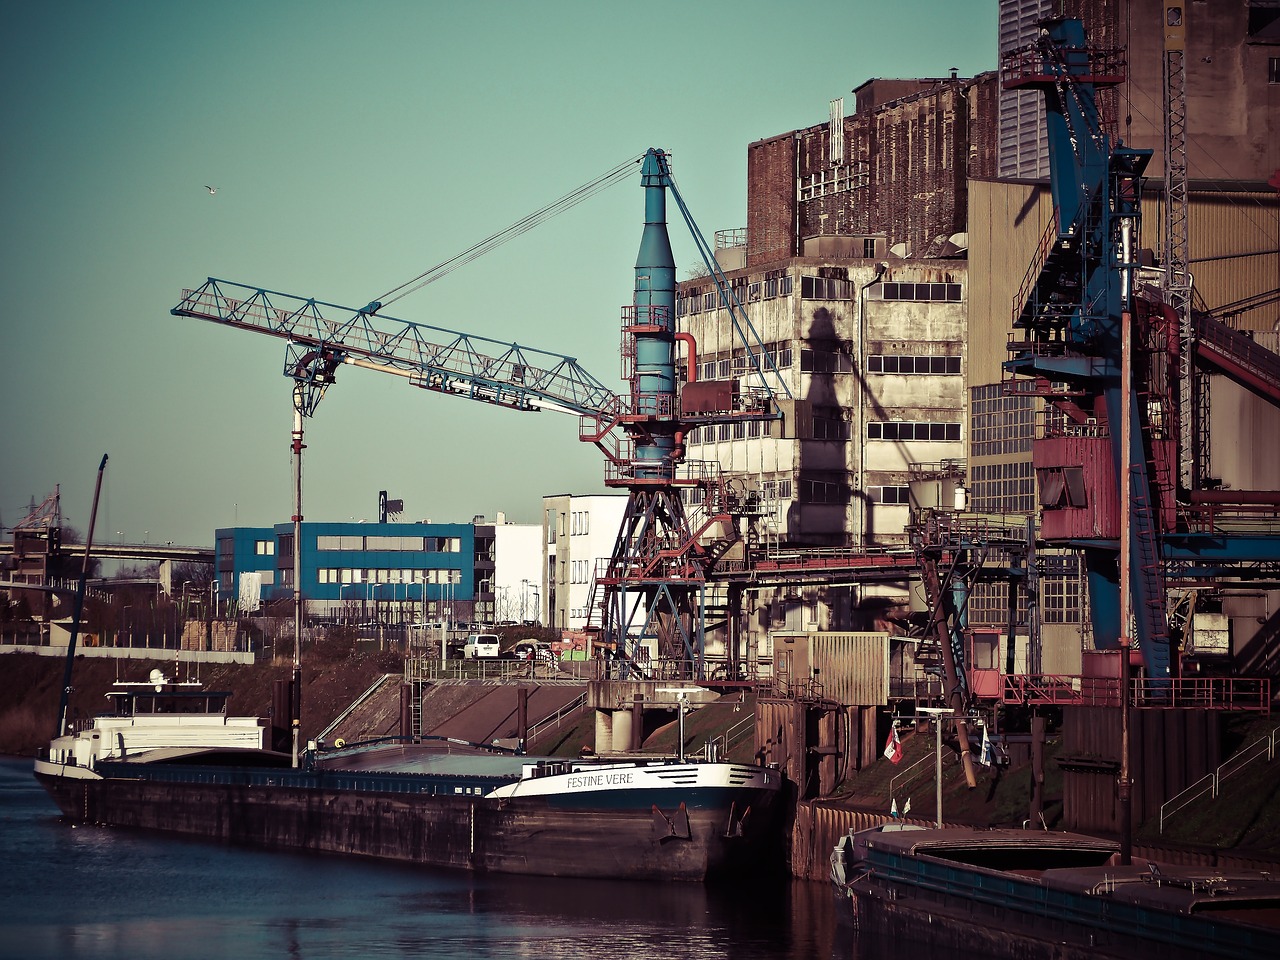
(936, 714)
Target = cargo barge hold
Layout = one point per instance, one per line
(1033, 893)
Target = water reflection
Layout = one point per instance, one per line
(102, 894)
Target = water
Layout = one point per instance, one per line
(103, 893)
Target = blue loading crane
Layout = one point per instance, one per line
(1080, 294)
(1073, 321)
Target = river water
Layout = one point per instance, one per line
(108, 894)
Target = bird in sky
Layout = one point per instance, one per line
(211, 189)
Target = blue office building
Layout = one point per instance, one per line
(392, 572)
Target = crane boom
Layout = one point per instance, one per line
(433, 358)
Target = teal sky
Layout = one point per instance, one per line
(353, 146)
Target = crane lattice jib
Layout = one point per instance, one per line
(506, 374)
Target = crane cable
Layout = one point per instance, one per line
(587, 190)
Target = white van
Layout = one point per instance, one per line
(480, 646)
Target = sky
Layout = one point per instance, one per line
(353, 146)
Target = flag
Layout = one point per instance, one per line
(893, 746)
(893, 808)
(988, 756)
(906, 807)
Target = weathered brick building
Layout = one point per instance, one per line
(892, 177)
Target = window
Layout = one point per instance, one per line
(823, 491)
(264, 548)
(825, 288)
(830, 427)
(1062, 487)
(1273, 70)
(868, 248)
(836, 358)
(890, 494)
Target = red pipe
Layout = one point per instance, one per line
(691, 374)
(1236, 496)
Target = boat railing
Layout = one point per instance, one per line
(1211, 783)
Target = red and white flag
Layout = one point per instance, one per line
(893, 746)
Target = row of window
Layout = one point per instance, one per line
(836, 359)
(825, 288)
(822, 288)
(892, 363)
(918, 292)
(404, 544)
(699, 300)
(777, 356)
(912, 430)
(736, 430)
(357, 575)
(823, 491)
(828, 428)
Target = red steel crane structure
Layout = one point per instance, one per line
(653, 585)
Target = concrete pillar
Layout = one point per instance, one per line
(622, 730)
(604, 731)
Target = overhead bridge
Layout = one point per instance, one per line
(1238, 356)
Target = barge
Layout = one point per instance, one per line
(168, 758)
(1033, 893)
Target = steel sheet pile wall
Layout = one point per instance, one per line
(1170, 749)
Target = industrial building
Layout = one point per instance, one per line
(883, 260)
(578, 535)
(385, 572)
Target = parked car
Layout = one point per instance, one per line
(480, 646)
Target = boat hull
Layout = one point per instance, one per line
(694, 834)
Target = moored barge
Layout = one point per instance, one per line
(168, 758)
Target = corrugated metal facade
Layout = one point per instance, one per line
(851, 669)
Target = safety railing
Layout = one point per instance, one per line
(1211, 783)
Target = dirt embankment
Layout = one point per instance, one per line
(30, 688)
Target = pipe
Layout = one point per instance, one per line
(691, 358)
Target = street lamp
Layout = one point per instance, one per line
(937, 714)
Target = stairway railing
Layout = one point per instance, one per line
(1211, 783)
